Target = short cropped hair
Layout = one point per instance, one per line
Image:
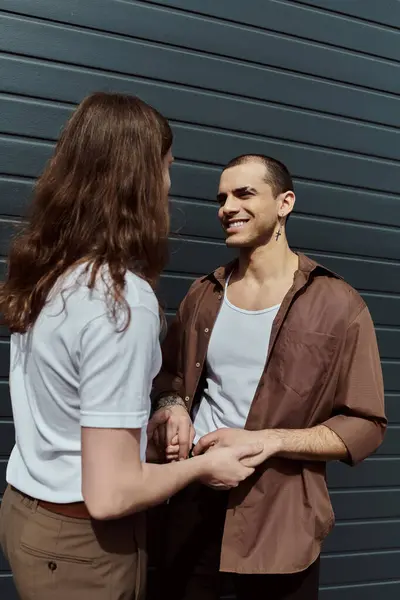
(277, 174)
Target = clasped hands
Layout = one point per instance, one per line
(171, 432)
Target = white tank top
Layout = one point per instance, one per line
(236, 358)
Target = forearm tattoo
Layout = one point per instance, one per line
(171, 400)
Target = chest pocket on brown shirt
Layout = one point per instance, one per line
(305, 358)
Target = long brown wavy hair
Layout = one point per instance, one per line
(101, 199)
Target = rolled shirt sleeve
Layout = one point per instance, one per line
(116, 370)
(359, 414)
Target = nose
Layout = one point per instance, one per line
(231, 206)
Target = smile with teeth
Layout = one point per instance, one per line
(236, 224)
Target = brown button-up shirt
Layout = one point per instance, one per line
(322, 367)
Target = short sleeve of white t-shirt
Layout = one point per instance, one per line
(115, 370)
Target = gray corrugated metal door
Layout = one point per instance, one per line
(314, 83)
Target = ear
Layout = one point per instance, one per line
(286, 203)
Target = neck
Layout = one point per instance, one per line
(273, 261)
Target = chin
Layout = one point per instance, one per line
(236, 242)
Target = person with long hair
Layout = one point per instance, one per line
(85, 325)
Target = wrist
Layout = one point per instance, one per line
(201, 465)
(276, 439)
(169, 401)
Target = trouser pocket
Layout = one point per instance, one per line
(57, 557)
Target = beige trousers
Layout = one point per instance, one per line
(54, 557)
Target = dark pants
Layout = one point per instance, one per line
(190, 556)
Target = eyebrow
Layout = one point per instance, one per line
(238, 192)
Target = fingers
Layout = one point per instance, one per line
(172, 453)
(252, 461)
(192, 434)
(159, 439)
(173, 437)
(249, 471)
(204, 443)
(162, 433)
(186, 436)
(172, 429)
(159, 418)
(175, 451)
(152, 454)
(156, 440)
(184, 440)
(249, 450)
(219, 487)
(178, 432)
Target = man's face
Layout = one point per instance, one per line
(248, 210)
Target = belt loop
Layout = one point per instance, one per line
(34, 505)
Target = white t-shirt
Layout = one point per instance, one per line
(236, 359)
(74, 369)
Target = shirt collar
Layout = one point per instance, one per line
(307, 266)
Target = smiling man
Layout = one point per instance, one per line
(272, 348)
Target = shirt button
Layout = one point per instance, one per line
(197, 364)
(187, 398)
(206, 330)
(52, 566)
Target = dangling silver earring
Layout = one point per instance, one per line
(279, 232)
